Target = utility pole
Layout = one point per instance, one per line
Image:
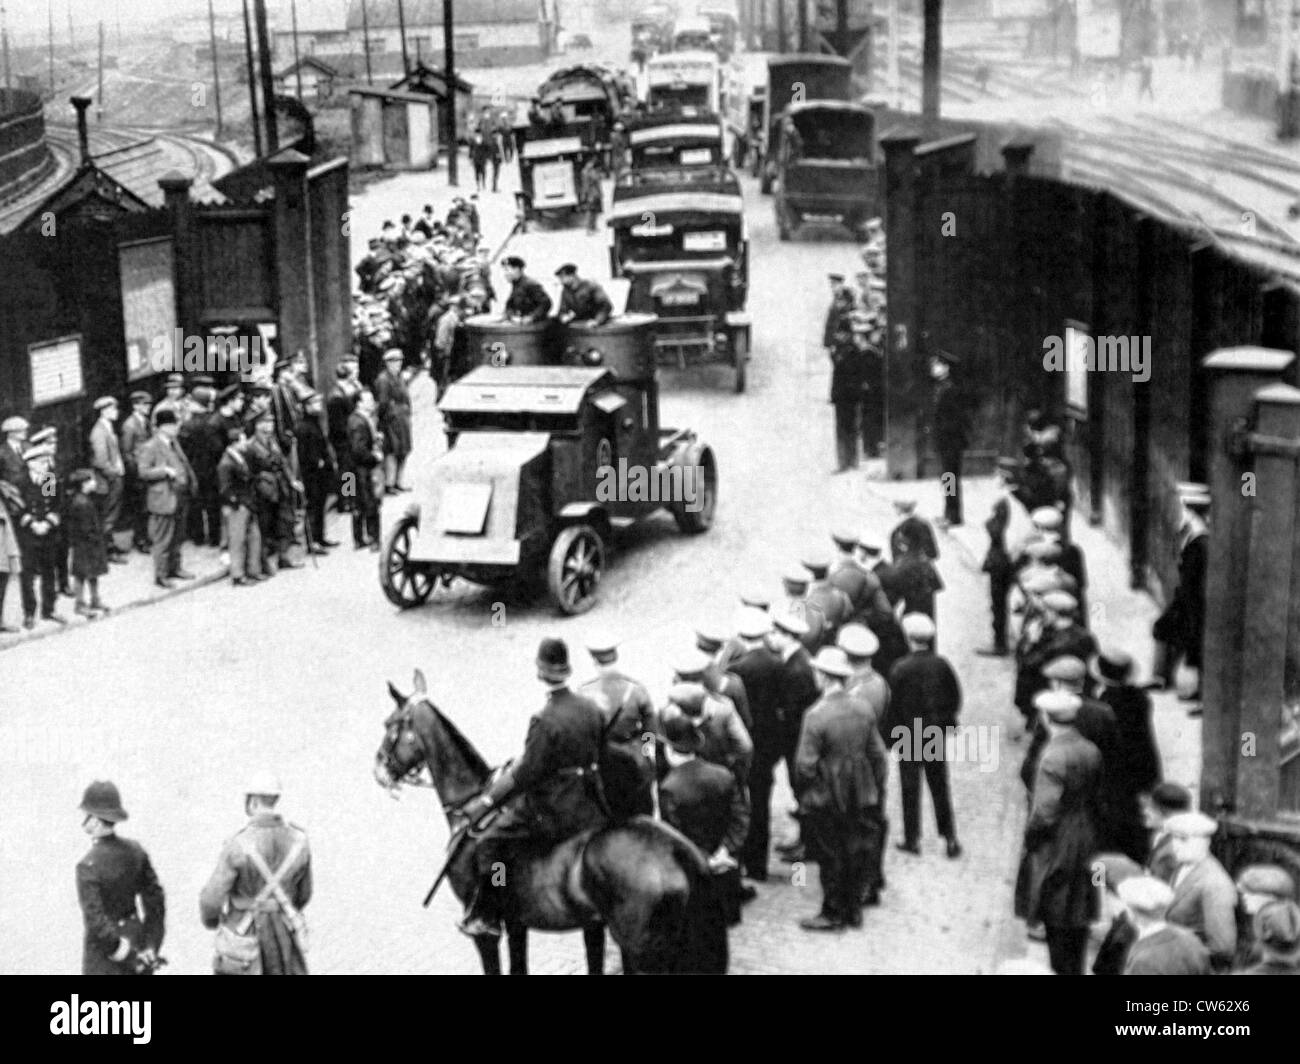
(268, 81)
(99, 111)
(365, 41)
(931, 50)
(297, 60)
(252, 83)
(216, 73)
(401, 32)
(449, 73)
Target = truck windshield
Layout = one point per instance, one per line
(832, 135)
(669, 96)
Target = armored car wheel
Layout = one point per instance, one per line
(700, 518)
(575, 567)
(405, 583)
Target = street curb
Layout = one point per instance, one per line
(76, 622)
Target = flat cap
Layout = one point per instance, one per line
(45, 435)
(857, 640)
(104, 402)
(1067, 668)
(1058, 706)
(795, 578)
(1277, 926)
(1146, 895)
(141, 397)
(1266, 879)
(601, 643)
(688, 697)
(1047, 517)
(790, 623)
(1061, 602)
(566, 269)
(394, 354)
(833, 661)
(14, 424)
(691, 665)
(203, 380)
(918, 626)
(1171, 797)
(1041, 581)
(752, 623)
(41, 450)
(515, 261)
(1192, 824)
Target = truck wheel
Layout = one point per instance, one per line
(575, 567)
(405, 583)
(740, 355)
(700, 519)
(740, 373)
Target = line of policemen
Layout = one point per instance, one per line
(805, 679)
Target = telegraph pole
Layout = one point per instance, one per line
(268, 82)
(401, 32)
(365, 40)
(216, 73)
(931, 50)
(297, 60)
(99, 111)
(449, 72)
(252, 83)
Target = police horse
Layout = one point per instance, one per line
(641, 879)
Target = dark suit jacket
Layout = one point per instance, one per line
(922, 685)
(798, 686)
(761, 672)
(361, 442)
(236, 481)
(110, 877)
(704, 802)
(157, 460)
(917, 534)
(528, 299)
(12, 467)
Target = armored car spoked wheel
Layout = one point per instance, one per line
(406, 583)
(575, 567)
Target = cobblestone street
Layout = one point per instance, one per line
(180, 701)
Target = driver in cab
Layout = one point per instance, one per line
(582, 300)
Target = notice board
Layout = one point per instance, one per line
(56, 370)
(148, 305)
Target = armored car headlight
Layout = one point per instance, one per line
(593, 357)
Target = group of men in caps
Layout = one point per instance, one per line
(824, 676)
(253, 899)
(1180, 913)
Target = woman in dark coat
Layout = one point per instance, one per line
(87, 543)
(1136, 767)
(1054, 885)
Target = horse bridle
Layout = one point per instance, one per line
(413, 777)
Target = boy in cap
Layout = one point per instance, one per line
(1159, 948)
(135, 432)
(110, 469)
(1277, 931)
(1054, 885)
(841, 765)
(924, 694)
(89, 557)
(1205, 899)
(550, 803)
(38, 525)
(115, 884)
(627, 773)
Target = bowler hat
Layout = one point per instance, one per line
(1170, 797)
(165, 417)
(102, 800)
(553, 659)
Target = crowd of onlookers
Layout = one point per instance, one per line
(248, 468)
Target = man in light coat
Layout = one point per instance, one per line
(170, 482)
(110, 469)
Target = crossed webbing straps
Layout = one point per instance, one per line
(272, 887)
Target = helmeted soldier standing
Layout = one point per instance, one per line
(121, 899)
(554, 782)
(263, 881)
